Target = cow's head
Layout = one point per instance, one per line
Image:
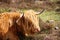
(28, 23)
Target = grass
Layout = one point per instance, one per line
(4, 10)
(50, 15)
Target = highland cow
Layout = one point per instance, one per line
(14, 24)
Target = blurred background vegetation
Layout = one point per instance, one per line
(52, 7)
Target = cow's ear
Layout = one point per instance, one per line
(21, 15)
(17, 21)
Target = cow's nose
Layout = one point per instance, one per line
(37, 30)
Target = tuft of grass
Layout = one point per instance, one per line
(4, 10)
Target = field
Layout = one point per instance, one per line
(45, 34)
(50, 13)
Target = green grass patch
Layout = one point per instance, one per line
(4, 10)
(50, 15)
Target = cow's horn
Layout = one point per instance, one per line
(21, 15)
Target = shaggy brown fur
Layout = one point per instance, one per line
(7, 24)
(11, 34)
(26, 24)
